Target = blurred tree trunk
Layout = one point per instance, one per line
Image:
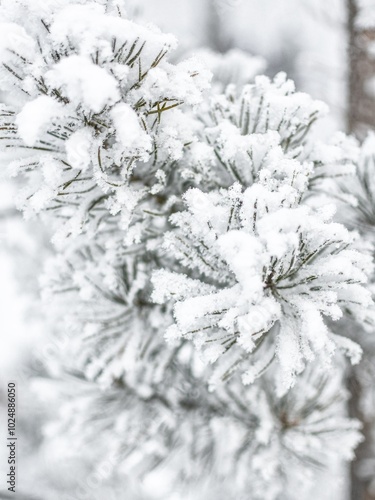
(361, 102)
(359, 485)
(217, 34)
(360, 119)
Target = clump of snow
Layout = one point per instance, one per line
(36, 116)
(78, 149)
(128, 129)
(84, 83)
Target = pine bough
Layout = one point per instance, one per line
(199, 273)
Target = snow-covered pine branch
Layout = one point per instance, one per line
(265, 268)
(219, 203)
(89, 91)
(173, 428)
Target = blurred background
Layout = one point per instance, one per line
(328, 49)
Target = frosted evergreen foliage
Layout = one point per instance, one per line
(357, 209)
(274, 447)
(259, 122)
(265, 268)
(270, 272)
(198, 276)
(89, 93)
(112, 323)
(358, 195)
